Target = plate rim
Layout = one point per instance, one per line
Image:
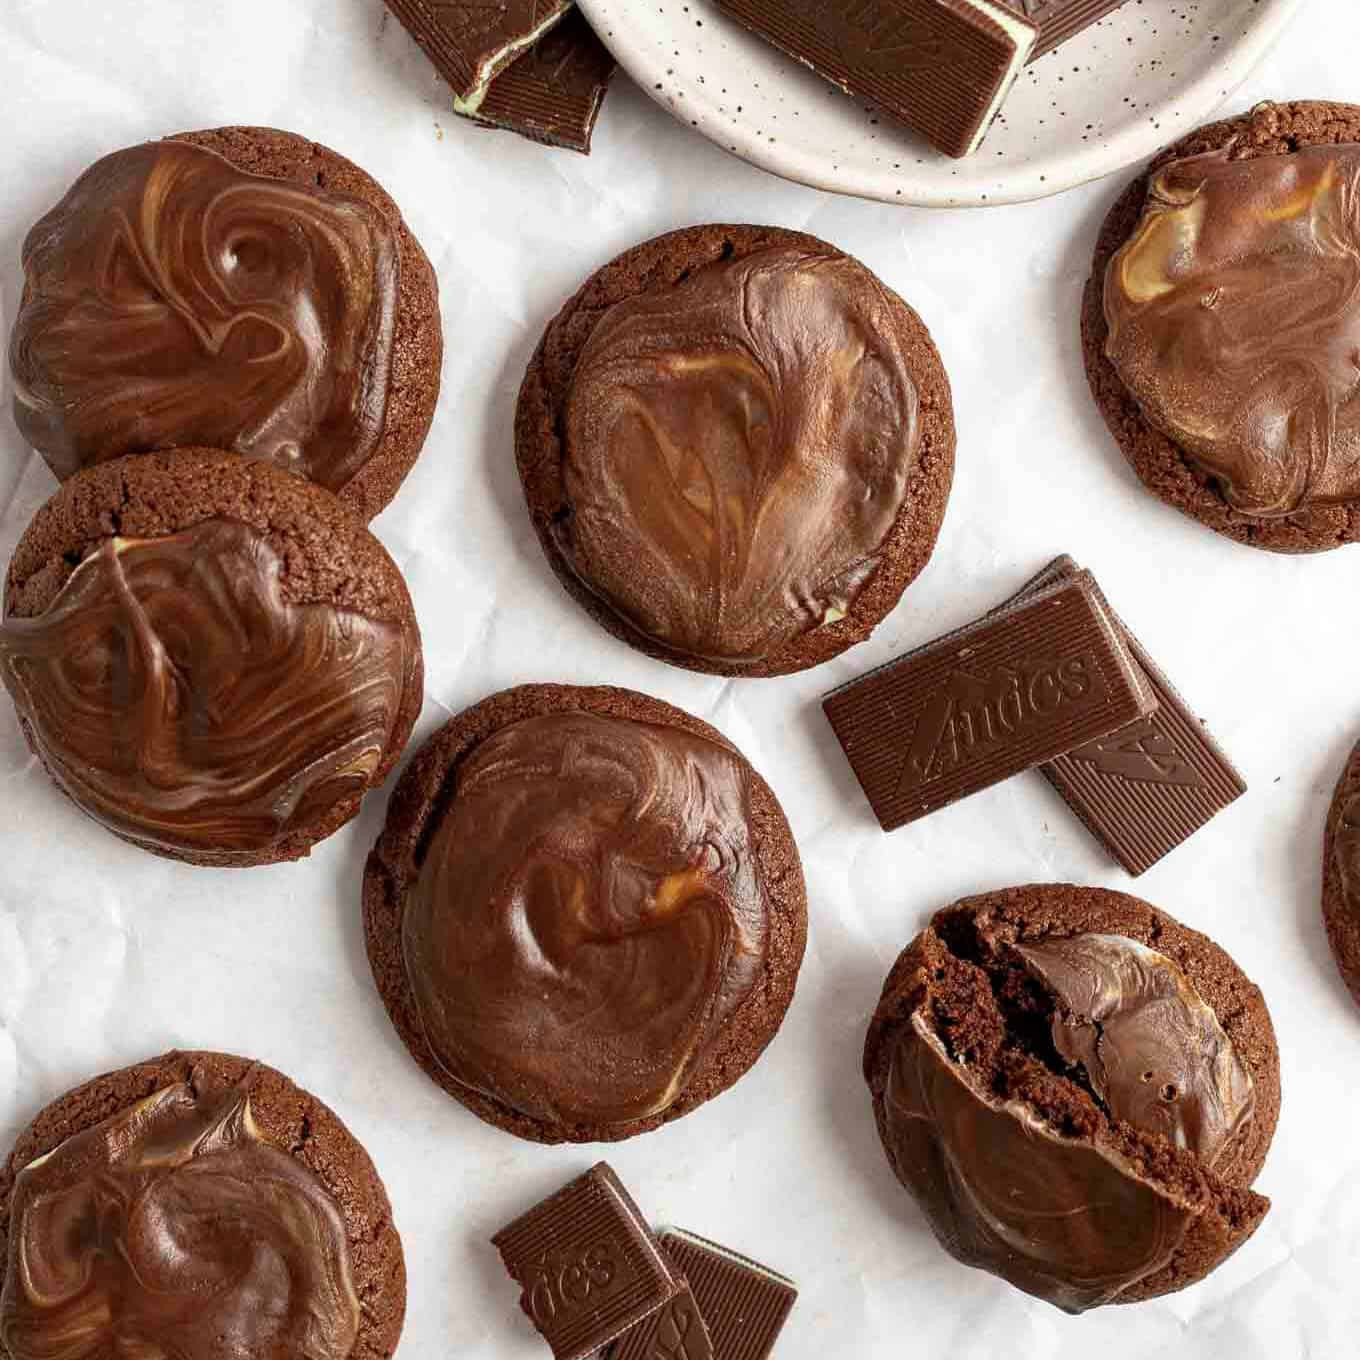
(1206, 92)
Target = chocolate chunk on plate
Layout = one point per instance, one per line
(553, 93)
(1148, 787)
(1042, 676)
(943, 67)
(587, 1265)
(471, 41)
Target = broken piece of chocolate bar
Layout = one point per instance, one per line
(553, 93)
(471, 42)
(587, 1265)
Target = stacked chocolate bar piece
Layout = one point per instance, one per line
(1051, 679)
(595, 1280)
(943, 67)
(530, 66)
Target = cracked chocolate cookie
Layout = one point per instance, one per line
(736, 445)
(240, 288)
(1219, 326)
(213, 658)
(196, 1205)
(1341, 875)
(1077, 1090)
(586, 913)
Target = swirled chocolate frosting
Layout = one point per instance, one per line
(184, 702)
(171, 300)
(1062, 1219)
(174, 1231)
(1234, 320)
(588, 916)
(737, 449)
(1150, 1048)
(1069, 1218)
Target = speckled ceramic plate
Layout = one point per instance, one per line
(1108, 98)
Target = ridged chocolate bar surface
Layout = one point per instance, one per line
(553, 93)
(471, 41)
(941, 66)
(676, 1332)
(1038, 678)
(587, 1265)
(1149, 787)
(744, 1305)
(1059, 20)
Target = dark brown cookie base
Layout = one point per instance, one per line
(664, 262)
(327, 553)
(1029, 914)
(421, 796)
(418, 346)
(1343, 929)
(1269, 129)
(291, 1119)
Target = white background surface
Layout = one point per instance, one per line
(108, 955)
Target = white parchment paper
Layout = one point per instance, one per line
(108, 955)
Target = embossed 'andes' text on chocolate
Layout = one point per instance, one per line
(588, 1266)
(1045, 674)
(970, 713)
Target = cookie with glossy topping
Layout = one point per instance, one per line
(240, 288)
(1077, 1090)
(237, 1210)
(210, 656)
(586, 913)
(1224, 369)
(736, 445)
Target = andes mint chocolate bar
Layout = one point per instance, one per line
(1059, 20)
(587, 1265)
(1045, 674)
(1145, 789)
(941, 66)
(744, 1304)
(553, 93)
(675, 1332)
(471, 41)
(733, 1308)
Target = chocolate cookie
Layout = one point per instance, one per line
(1219, 320)
(1077, 1090)
(1341, 874)
(212, 657)
(586, 913)
(196, 1205)
(243, 289)
(736, 446)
